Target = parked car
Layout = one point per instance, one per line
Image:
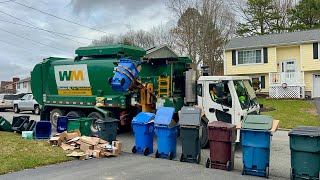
(26, 103)
(6, 101)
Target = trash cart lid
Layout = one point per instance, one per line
(260, 122)
(306, 131)
(190, 116)
(143, 117)
(220, 124)
(164, 115)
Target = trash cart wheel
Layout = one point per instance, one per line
(181, 158)
(146, 151)
(171, 155)
(198, 159)
(208, 163)
(157, 154)
(267, 172)
(243, 171)
(229, 165)
(134, 149)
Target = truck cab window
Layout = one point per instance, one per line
(220, 93)
(199, 90)
(242, 94)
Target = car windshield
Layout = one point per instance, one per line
(25, 97)
(245, 93)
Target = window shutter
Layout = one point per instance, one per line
(265, 55)
(263, 82)
(234, 56)
(315, 51)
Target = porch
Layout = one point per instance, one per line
(286, 85)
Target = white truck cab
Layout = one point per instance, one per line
(226, 98)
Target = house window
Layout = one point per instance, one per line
(256, 82)
(24, 84)
(249, 57)
(18, 85)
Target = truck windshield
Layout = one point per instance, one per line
(246, 94)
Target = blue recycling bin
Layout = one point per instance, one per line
(166, 133)
(42, 130)
(125, 74)
(255, 152)
(143, 128)
(62, 123)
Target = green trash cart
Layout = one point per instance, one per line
(83, 124)
(5, 125)
(305, 153)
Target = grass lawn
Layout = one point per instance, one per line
(17, 154)
(292, 113)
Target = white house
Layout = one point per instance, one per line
(23, 86)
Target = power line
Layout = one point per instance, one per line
(37, 42)
(40, 28)
(7, 1)
(46, 30)
(63, 18)
(17, 46)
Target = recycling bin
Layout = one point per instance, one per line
(126, 73)
(62, 123)
(83, 124)
(143, 128)
(305, 152)
(5, 125)
(42, 130)
(20, 123)
(167, 131)
(190, 125)
(256, 140)
(107, 128)
(222, 137)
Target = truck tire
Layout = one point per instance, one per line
(204, 138)
(36, 110)
(16, 109)
(54, 114)
(76, 114)
(95, 116)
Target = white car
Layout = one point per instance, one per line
(26, 103)
(6, 101)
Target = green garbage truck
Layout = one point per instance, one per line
(84, 87)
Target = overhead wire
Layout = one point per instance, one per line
(37, 42)
(46, 30)
(63, 18)
(12, 44)
(39, 27)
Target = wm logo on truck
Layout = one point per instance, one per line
(71, 75)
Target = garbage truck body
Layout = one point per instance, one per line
(117, 81)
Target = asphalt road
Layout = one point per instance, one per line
(128, 166)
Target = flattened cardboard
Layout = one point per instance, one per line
(80, 155)
(55, 141)
(101, 141)
(94, 153)
(65, 136)
(67, 147)
(90, 140)
(84, 146)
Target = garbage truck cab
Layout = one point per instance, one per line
(226, 98)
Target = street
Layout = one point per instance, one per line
(129, 166)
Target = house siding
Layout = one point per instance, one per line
(251, 69)
(308, 63)
(308, 79)
(288, 53)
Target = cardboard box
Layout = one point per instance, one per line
(65, 136)
(118, 145)
(80, 155)
(84, 146)
(55, 141)
(67, 147)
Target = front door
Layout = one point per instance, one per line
(289, 71)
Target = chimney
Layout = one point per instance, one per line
(14, 85)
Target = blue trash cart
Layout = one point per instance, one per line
(166, 133)
(143, 128)
(255, 152)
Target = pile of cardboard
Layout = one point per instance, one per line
(90, 146)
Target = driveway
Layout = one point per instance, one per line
(317, 103)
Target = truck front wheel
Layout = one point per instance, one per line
(95, 116)
(54, 114)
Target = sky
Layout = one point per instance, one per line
(22, 47)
